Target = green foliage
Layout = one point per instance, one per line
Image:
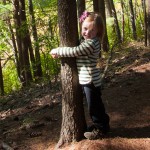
(50, 66)
(140, 26)
(5, 10)
(111, 31)
(9, 75)
(11, 81)
(4, 35)
(43, 4)
(46, 22)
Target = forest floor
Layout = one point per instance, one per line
(30, 119)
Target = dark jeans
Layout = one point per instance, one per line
(95, 105)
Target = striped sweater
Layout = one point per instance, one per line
(87, 54)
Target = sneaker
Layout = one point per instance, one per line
(104, 129)
(95, 134)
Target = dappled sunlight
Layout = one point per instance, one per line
(109, 144)
(142, 68)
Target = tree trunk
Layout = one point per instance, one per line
(115, 20)
(14, 46)
(101, 7)
(31, 53)
(132, 20)
(18, 39)
(73, 119)
(145, 22)
(1, 80)
(13, 43)
(81, 9)
(108, 8)
(35, 36)
(148, 22)
(95, 6)
(123, 20)
(25, 44)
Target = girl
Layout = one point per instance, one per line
(87, 54)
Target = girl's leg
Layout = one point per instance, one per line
(96, 107)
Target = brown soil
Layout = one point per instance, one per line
(31, 118)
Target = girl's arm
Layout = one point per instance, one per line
(85, 48)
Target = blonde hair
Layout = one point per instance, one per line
(98, 22)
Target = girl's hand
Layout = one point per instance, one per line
(53, 53)
(54, 56)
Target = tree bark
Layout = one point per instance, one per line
(101, 7)
(118, 33)
(132, 16)
(25, 44)
(1, 80)
(145, 23)
(95, 6)
(81, 8)
(73, 119)
(38, 71)
(148, 22)
(14, 46)
(108, 8)
(123, 19)
(18, 39)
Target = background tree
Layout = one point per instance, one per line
(132, 16)
(81, 8)
(99, 6)
(25, 44)
(108, 8)
(123, 19)
(14, 47)
(1, 80)
(73, 120)
(148, 22)
(38, 71)
(118, 33)
(18, 39)
(8, 21)
(95, 5)
(145, 22)
(16, 59)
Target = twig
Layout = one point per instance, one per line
(107, 63)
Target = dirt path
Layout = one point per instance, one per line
(31, 119)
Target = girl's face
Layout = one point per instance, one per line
(89, 31)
